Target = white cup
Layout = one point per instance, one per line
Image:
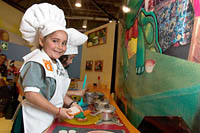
(72, 131)
(62, 131)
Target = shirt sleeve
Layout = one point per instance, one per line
(32, 78)
(34, 89)
(32, 75)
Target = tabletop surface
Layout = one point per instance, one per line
(92, 128)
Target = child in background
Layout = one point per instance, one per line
(13, 68)
(42, 76)
(3, 67)
(66, 60)
(12, 72)
(69, 55)
(3, 70)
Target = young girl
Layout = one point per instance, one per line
(42, 76)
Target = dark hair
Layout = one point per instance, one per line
(12, 61)
(63, 57)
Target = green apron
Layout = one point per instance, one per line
(18, 125)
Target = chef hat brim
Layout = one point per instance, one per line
(75, 39)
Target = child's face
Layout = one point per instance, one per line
(67, 60)
(70, 59)
(54, 44)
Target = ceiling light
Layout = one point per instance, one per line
(126, 9)
(78, 3)
(84, 24)
(110, 20)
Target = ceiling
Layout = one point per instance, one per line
(96, 12)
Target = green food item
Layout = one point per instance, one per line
(80, 115)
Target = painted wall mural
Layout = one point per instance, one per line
(147, 38)
(172, 88)
(175, 20)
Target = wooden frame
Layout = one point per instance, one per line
(98, 65)
(89, 65)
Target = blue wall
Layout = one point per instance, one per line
(15, 51)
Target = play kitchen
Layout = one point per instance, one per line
(102, 118)
(99, 114)
(105, 116)
(100, 106)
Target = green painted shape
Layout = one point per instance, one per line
(135, 8)
(148, 22)
(125, 63)
(148, 34)
(183, 102)
(125, 56)
(140, 52)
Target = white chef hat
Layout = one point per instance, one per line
(72, 47)
(43, 19)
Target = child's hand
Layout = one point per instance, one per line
(64, 114)
(74, 111)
